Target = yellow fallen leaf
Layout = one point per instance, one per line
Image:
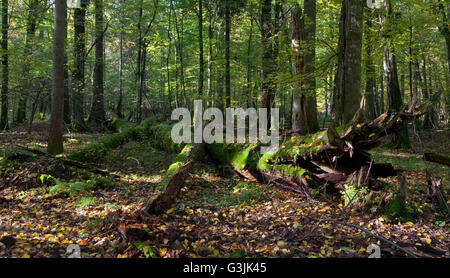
(163, 251)
(26, 256)
(408, 224)
(170, 210)
(281, 243)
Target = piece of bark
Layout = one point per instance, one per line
(435, 193)
(175, 179)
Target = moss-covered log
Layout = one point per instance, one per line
(151, 129)
(438, 158)
(326, 157)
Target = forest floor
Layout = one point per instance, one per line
(218, 214)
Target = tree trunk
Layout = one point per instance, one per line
(426, 91)
(55, 139)
(347, 93)
(210, 58)
(67, 112)
(119, 108)
(444, 29)
(299, 114)
(370, 72)
(26, 81)
(227, 55)
(267, 86)
(401, 137)
(5, 70)
(97, 115)
(78, 124)
(249, 68)
(139, 66)
(200, 46)
(310, 57)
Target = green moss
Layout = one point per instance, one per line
(98, 150)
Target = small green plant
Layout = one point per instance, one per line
(84, 202)
(110, 206)
(397, 209)
(147, 250)
(68, 188)
(353, 194)
(238, 254)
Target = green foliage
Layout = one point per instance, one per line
(397, 209)
(145, 249)
(238, 254)
(76, 188)
(85, 202)
(354, 194)
(99, 150)
(70, 188)
(245, 193)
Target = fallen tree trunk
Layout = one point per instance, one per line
(66, 162)
(325, 158)
(175, 179)
(438, 158)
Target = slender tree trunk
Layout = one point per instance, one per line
(347, 95)
(210, 58)
(78, 124)
(426, 92)
(26, 82)
(227, 55)
(410, 64)
(382, 109)
(218, 98)
(55, 139)
(299, 114)
(249, 68)
(401, 138)
(200, 45)
(370, 72)
(444, 28)
(97, 114)
(267, 86)
(67, 112)
(5, 69)
(310, 64)
(119, 109)
(139, 65)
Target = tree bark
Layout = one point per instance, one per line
(5, 69)
(347, 93)
(267, 86)
(97, 115)
(55, 141)
(78, 124)
(227, 55)
(26, 81)
(200, 46)
(310, 58)
(299, 114)
(370, 72)
(401, 137)
(175, 179)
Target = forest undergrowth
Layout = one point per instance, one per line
(45, 207)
